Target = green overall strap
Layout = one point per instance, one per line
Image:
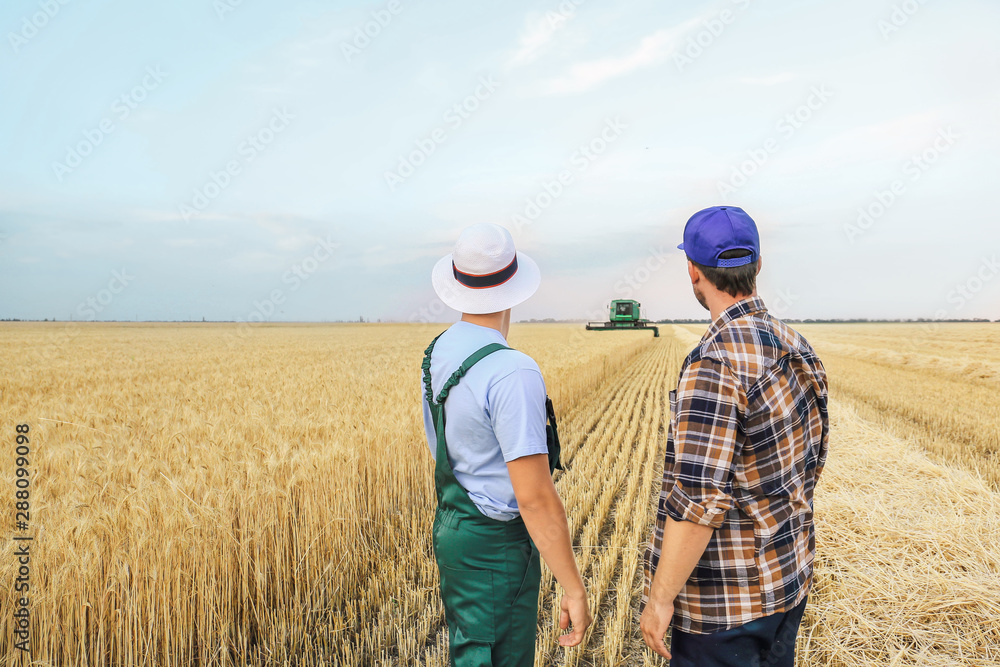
(456, 377)
(426, 366)
(552, 437)
(450, 492)
(473, 359)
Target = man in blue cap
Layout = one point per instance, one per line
(730, 562)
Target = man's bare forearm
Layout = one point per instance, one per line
(684, 542)
(547, 525)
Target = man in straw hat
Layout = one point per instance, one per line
(497, 506)
(730, 561)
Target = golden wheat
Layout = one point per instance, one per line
(908, 378)
(238, 496)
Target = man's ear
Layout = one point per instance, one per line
(760, 263)
(693, 272)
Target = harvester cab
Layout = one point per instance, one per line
(624, 314)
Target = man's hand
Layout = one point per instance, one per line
(654, 624)
(574, 610)
(545, 519)
(683, 544)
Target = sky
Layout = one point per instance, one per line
(310, 161)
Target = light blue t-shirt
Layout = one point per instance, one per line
(494, 415)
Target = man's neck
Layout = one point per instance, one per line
(723, 301)
(490, 321)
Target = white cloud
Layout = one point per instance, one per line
(539, 32)
(536, 36)
(652, 49)
(894, 139)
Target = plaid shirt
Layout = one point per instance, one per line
(747, 441)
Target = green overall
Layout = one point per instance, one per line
(490, 570)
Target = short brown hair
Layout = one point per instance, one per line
(734, 280)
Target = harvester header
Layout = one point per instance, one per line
(624, 314)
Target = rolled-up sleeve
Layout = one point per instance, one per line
(710, 409)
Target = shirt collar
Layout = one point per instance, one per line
(486, 331)
(742, 308)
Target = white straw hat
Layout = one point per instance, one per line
(485, 274)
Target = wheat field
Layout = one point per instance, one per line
(203, 494)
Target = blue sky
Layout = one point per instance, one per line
(310, 161)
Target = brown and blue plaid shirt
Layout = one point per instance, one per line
(747, 441)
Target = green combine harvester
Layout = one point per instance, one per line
(625, 314)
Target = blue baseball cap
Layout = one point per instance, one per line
(712, 231)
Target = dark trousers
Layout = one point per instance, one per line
(763, 642)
